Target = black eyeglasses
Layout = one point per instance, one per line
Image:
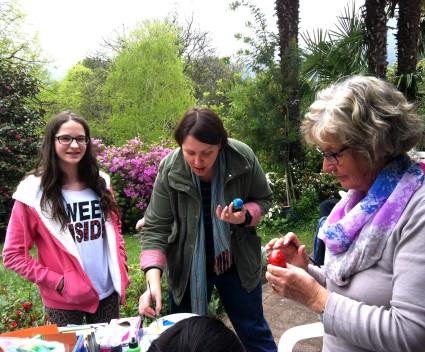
(67, 140)
(331, 157)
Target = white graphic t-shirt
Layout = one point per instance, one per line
(87, 227)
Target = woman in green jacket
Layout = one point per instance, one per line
(191, 229)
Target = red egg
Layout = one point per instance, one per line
(277, 258)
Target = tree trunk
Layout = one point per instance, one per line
(376, 37)
(409, 14)
(287, 12)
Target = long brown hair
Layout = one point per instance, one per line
(52, 201)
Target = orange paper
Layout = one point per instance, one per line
(36, 330)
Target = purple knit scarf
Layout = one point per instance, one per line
(356, 231)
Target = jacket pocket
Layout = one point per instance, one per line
(247, 251)
(75, 289)
(174, 232)
(179, 201)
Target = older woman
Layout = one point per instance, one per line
(370, 291)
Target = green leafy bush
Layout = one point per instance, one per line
(310, 186)
(20, 126)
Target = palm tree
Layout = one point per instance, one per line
(287, 12)
(408, 25)
(376, 37)
(329, 56)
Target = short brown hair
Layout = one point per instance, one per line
(203, 124)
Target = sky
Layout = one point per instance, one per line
(68, 31)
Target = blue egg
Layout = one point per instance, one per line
(237, 204)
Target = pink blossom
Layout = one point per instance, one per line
(133, 167)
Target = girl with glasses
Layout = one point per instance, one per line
(65, 208)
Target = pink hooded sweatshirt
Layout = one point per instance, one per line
(58, 256)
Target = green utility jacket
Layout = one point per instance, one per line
(171, 218)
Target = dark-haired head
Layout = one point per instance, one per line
(196, 334)
(49, 162)
(204, 125)
(52, 177)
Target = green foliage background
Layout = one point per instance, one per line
(20, 126)
(146, 86)
(143, 87)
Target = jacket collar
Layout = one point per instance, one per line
(179, 175)
(29, 192)
(29, 189)
(236, 162)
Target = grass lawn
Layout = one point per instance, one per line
(10, 279)
(14, 290)
(132, 244)
(305, 233)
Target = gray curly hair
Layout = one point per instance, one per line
(367, 114)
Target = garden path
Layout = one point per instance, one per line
(282, 314)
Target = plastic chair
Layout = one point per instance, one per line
(292, 336)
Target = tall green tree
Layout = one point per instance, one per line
(209, 73)
(146, 86)
(256, 100)
(81, 90)
(212, 77)
(21, 114)
(255, 116)
(421, 41)
(15, 44)
(94, 104)
(408, 29)
(20, 124)
(376, 37)
(18, 45)
(287, 12)
(73, 88)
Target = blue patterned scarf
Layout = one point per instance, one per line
(357, 229)
(221, 234)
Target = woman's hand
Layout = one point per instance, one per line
(146, 306)
(295, 283)
(226, 214)
(294, 252)
(150, 301)
(140, 224)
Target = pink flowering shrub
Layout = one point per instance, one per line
(133, 169)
